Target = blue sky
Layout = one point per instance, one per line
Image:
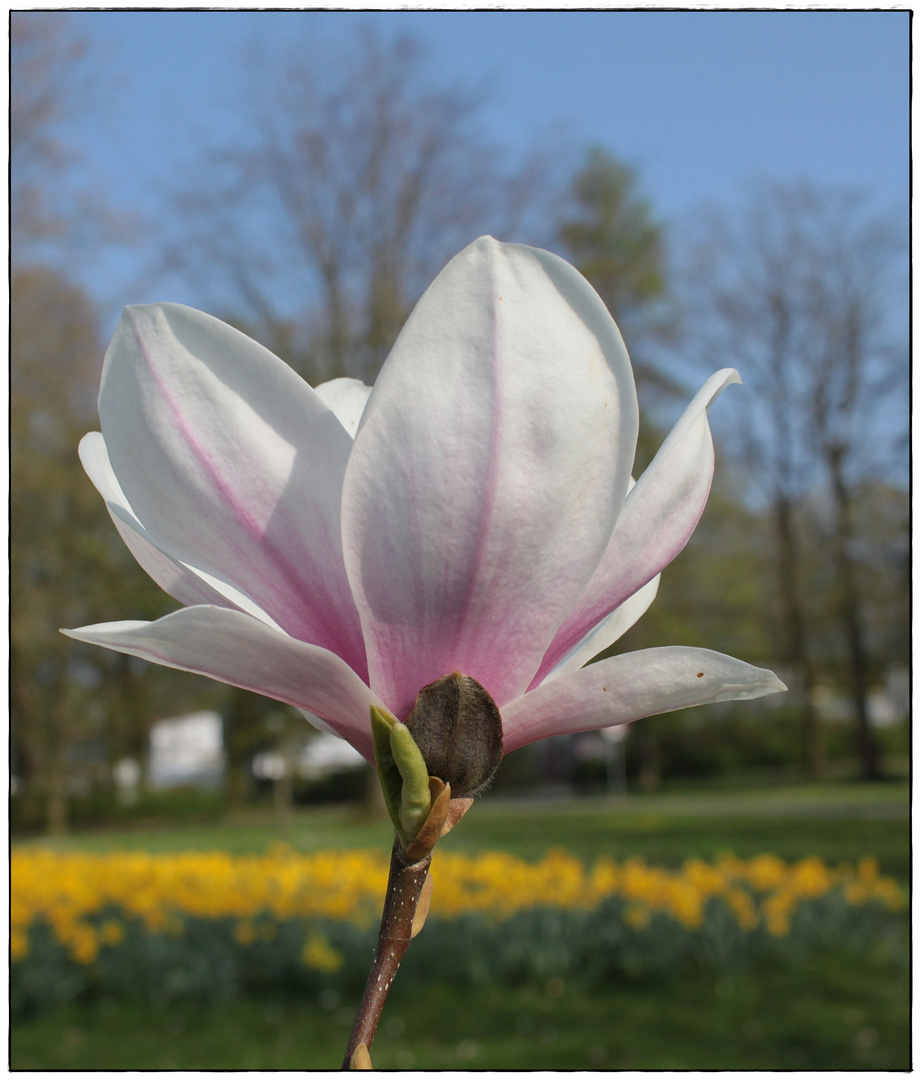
(697, 101)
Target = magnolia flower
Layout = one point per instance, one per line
(342, 547)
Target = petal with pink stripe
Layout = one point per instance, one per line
(491, 461)
(234, 465)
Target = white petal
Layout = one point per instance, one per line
(234, 466)
(659, 516)
(347, 398)
(628, 687)
(609, 630)
(320, 725)
(235, 648)
(486, 476)
(182, 582)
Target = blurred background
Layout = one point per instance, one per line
(734, 185)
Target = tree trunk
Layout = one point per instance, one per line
(56, 787)
(135, 710)
(852, 621)
(795, 636)
(243, 733)
(283, 786)
(649, 771)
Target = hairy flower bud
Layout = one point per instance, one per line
(457, 726)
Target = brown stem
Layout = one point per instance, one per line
(403, 890)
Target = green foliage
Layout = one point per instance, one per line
(722, 741)
(608, 230)
(613, 238)
(101, 805)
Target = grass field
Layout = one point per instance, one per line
(835, 821)
(829, 1012)
(825, 1016)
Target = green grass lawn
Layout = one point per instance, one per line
(827, 1012)
(835, 821)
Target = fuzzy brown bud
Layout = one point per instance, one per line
(457, 726)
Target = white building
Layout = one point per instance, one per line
(187, 750)
(322, 755)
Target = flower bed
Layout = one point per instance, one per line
(210, 925)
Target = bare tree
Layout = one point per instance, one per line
(68, 566)
(800, 291)
(351, 182)
(46, 59)
(66, 562)
(55, 75)
(857, 367)
(54, 348)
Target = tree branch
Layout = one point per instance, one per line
(404, 889)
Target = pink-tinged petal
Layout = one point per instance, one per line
(235, 648)
(234, 466)
(178, 580)
(491, 461)
(607, 631)
(658, 518)
(628, 687)
(347, 398)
